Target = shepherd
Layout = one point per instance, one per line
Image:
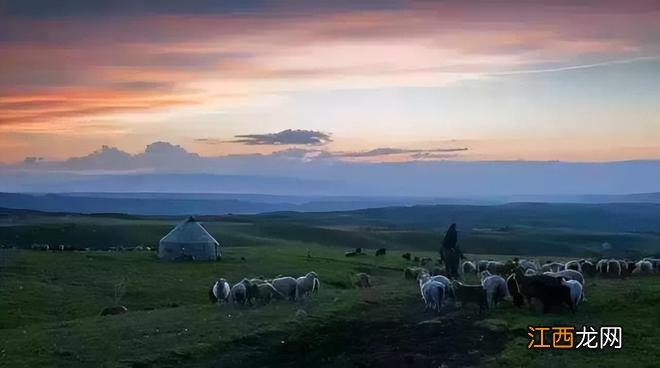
(450, 254)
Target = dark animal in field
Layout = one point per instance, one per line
(613, 268)
(416, 259)
(470, 294)
(588, 268)
(406, 256)
(414, 272)
(570, 275)
(435, 271)
(358, 250)
(381, 252)
(119, 309)
(266, 292)
(239, 293)
(468, 267)
(350, 254)
(285, 286)
(548, 289)
(512, 286)
(496, 268)
(573, 265)
(362, 280)
(482, 266)
(243, 259)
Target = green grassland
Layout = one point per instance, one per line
(50, 301)
(342, 229)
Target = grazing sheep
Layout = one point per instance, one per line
(308, 284)
(414, 272)
(573, 265)
(568, 275)
(470, 294)
(221, 291)
(613, 268)
(468, 267)
(601, 266)
(406, 256)
(285, 286)
(512, 286)
(529, 265)
(433, 293)
(482, 266)
(439, 278)
(108, 311)
(362, 280)
(552, 267)
(426, 260)
(239, 293)
(655, 262)
(435, 271)
(496, 268)
(588, 268)
(381, 252)
(496, 289)
(643, 267)
(266, 292)
(575, 291)
(548, 289)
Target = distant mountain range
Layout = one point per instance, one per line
(225, 203)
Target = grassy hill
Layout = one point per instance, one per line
(512, 229)
(51, 304)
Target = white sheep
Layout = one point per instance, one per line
(576, 292)
(286, 286)
(308, 284)
(495, 287)
(433, 293)
(239, 293)
(222, 291)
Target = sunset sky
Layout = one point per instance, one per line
(376, 80)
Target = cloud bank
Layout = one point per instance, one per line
(286, 137)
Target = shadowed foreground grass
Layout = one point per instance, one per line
(50, 305)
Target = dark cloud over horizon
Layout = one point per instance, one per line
(286, 137)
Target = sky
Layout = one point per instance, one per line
(376, 81)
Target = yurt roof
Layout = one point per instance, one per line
(189, 231)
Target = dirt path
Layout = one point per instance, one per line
(381, 336)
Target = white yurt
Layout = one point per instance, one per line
(189, 240)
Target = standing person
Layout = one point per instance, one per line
(449, 252)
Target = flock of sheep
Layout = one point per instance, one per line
(553, 284)
(247, 292)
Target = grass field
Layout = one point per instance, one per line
(51, 303)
